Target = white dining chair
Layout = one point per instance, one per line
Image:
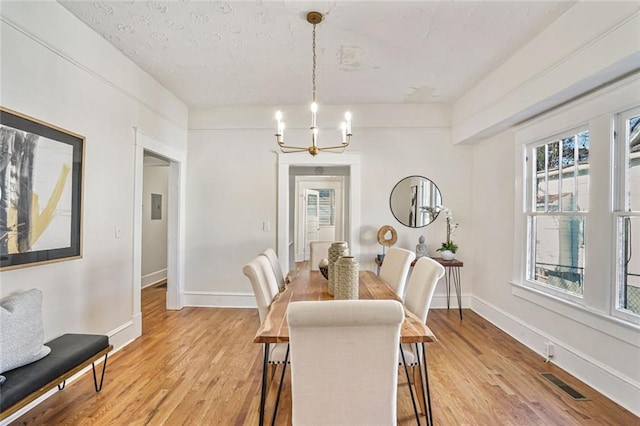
(318, 250)
(344, 357)
(420, 288)
(275, 266)
(395, 269)
(265, 288)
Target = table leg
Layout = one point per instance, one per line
(284, 369)
(447, 282)
(263, 394)
(456, 282)
(426, 382)
(413, 400)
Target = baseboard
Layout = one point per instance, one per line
(611, 383)
(153, 278)
(439, 301)
(119, 338)
(216, 299)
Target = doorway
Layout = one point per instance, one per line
(175, 207)
(289, 166)
(155, 181)
(319, 207)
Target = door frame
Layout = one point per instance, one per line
(284, 237)
(176, 203)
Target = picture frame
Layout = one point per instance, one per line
(41, 186)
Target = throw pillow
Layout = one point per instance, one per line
(21, 330)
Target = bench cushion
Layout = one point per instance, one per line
(67, 352)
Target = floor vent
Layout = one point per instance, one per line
(565, 387)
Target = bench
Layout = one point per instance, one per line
(70, 353)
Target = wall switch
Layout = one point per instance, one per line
(118, 231)
(266, 226)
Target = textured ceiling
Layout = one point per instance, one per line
(259, 52)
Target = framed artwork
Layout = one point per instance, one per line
(41, 173)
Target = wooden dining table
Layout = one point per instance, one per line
(307, 285)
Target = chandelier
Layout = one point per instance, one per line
(314, 18)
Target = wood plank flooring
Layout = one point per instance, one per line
(198, 366)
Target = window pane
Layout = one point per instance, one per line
(568, 171)
(327, 206)
(541, 180)
(559, 252)
(553, 184)
(634, 163)
(629, 296)
(582, 197)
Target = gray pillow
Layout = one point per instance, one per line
(22, 330)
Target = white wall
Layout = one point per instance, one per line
(592, 349)
(56, 69)
(589, 45)
(227, 204)
(154, 231)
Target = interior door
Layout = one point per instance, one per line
(312, 219)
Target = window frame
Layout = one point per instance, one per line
(531, 212)
(597, 110)
(621, 208)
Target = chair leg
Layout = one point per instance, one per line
(417, 384)
(271, 371)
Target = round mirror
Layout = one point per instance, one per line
(415, 201)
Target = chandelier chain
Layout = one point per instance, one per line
(313, 74)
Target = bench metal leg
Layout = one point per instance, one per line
(95, 381)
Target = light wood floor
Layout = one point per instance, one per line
(198, 366)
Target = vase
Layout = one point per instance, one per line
(446, 255)
(346, 278)
(336, 250)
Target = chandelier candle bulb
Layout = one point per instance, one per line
(344, 132)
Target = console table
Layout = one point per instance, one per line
(451, 276)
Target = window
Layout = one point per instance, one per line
(327, 207)
(628, 212)
(577, 211)
(556, 211)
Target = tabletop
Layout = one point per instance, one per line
(311, 285)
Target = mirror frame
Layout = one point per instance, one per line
(394, 189)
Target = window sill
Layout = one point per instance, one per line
(626, 331)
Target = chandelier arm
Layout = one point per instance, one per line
(288, 149)
(341, 146)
